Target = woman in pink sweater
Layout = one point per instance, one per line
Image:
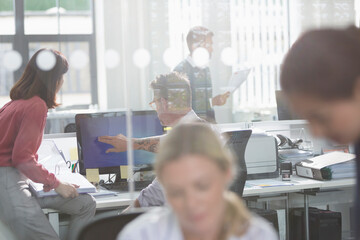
(22, 123)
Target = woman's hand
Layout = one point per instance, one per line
(67, 190)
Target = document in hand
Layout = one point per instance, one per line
(51, 158)
(237, 78)
(334, 165)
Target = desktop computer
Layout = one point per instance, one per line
(92, 153)
(283, 109)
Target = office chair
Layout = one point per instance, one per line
(237, 141)
(71, 127)
(107, 227)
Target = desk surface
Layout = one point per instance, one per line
(299, 184)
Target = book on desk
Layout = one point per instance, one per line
(51, 158)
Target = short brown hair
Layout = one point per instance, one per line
(197, 34)
(175, 87)
(323, 63)
(37, 82)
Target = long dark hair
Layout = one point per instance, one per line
(37, 82)
(323, 63)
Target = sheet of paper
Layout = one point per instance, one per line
(73, 154)
(237, 78)
(327, 159)
(124, 172)
(92, 175)
(264, 183)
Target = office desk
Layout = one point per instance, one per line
(301, 185)
(113, 202)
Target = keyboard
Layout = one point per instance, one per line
(124, 186)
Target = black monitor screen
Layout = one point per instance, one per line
(92, 153)
(283, 109)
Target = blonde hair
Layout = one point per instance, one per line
(200, 139)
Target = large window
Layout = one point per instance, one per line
(263, 31)
(64, 25)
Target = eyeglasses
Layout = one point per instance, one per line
(152, 104)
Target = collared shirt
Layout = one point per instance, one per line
(162, 224)
(190, 116)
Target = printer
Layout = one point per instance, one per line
(261, 156)
(261, 152)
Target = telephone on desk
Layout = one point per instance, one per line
(291, 150)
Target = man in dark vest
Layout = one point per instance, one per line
(199, 76)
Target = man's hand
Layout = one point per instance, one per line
(119, 143)
(67, 190)
(220, 99)
(136, 204)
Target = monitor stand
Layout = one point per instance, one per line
(119, 179)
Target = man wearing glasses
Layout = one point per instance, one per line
(172, 102)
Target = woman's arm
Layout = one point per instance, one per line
(26, 144)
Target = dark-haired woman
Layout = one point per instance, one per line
(321, 79)
(22, 122)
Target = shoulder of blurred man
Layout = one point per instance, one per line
(191, 116)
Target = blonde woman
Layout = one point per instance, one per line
(195, 172)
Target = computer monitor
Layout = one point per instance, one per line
(283, 109)
(92, 153)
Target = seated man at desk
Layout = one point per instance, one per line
(172, 102)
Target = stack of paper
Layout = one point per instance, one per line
(334, 165)
(343, 170)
